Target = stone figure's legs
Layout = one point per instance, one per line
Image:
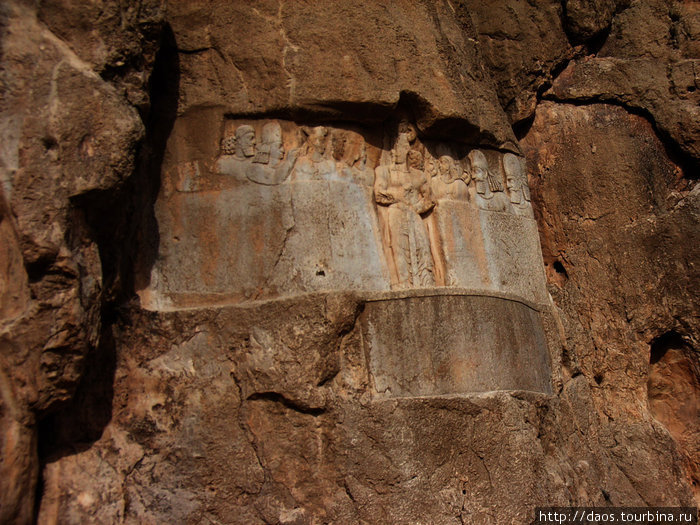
(422, 259)
(400, 243)
(436, 248)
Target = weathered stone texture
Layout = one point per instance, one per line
(66, 134)
(522, 43)
(294, 275)
(268, 208)
(620, 241)
(266, 413)
(324, 58)
(643, 66)
(588, 18)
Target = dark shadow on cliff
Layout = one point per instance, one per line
(164, 90)
(369, 117)
(121, 221)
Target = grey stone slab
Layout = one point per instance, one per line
(435, 345)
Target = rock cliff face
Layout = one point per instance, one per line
(288, 262)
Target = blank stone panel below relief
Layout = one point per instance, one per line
(258, 209)
(451, 344)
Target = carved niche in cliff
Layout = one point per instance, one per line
(437, 237)
(268, 208)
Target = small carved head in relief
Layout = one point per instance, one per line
(479, 165)
(448, 169)
(406, 128)
(245, 141)
(465, 174)
(403, 142)
(272, 138)
(415, 159)
(316, 138)
(515, 178)
(430, 165)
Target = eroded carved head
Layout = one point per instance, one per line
(272, 139)
(514, 174)
(404, 139)
(415, 159)
(245, 141)
(479, 165)
(430, 165)
(516, 180)
(317, 138)
(448, 169)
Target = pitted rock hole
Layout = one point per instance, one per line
(673, 389)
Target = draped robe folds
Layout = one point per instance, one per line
(403, 195)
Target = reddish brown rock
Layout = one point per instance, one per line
(67, 136)
(522, 44)
(674, 397)
(343, 406)
(643, 67)
(323, 59)
(619, 228)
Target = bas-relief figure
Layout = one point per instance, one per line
(243, 158)
(268, 168)
(188, 176)
(455, 236)
(449, 182)
(516, 182)
(488, 190)
(402, 192)
(313, 164)
(237, 152)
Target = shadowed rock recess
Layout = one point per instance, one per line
(347, 262)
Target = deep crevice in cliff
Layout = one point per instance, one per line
(286, 402)
(121, 222)
(673, 388)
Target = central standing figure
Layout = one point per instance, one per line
(402, 192)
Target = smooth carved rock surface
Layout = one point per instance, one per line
(269, 208)
(502, 346)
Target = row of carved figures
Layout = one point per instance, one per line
(413, 177)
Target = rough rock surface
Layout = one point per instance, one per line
(648, 63)
(619, 228)
(586, 19)
(300, 408)
(523, 43)
(323, 58)
(55, 157)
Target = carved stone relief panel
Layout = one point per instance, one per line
(516, 182)
(454, 344)
(253, 209)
